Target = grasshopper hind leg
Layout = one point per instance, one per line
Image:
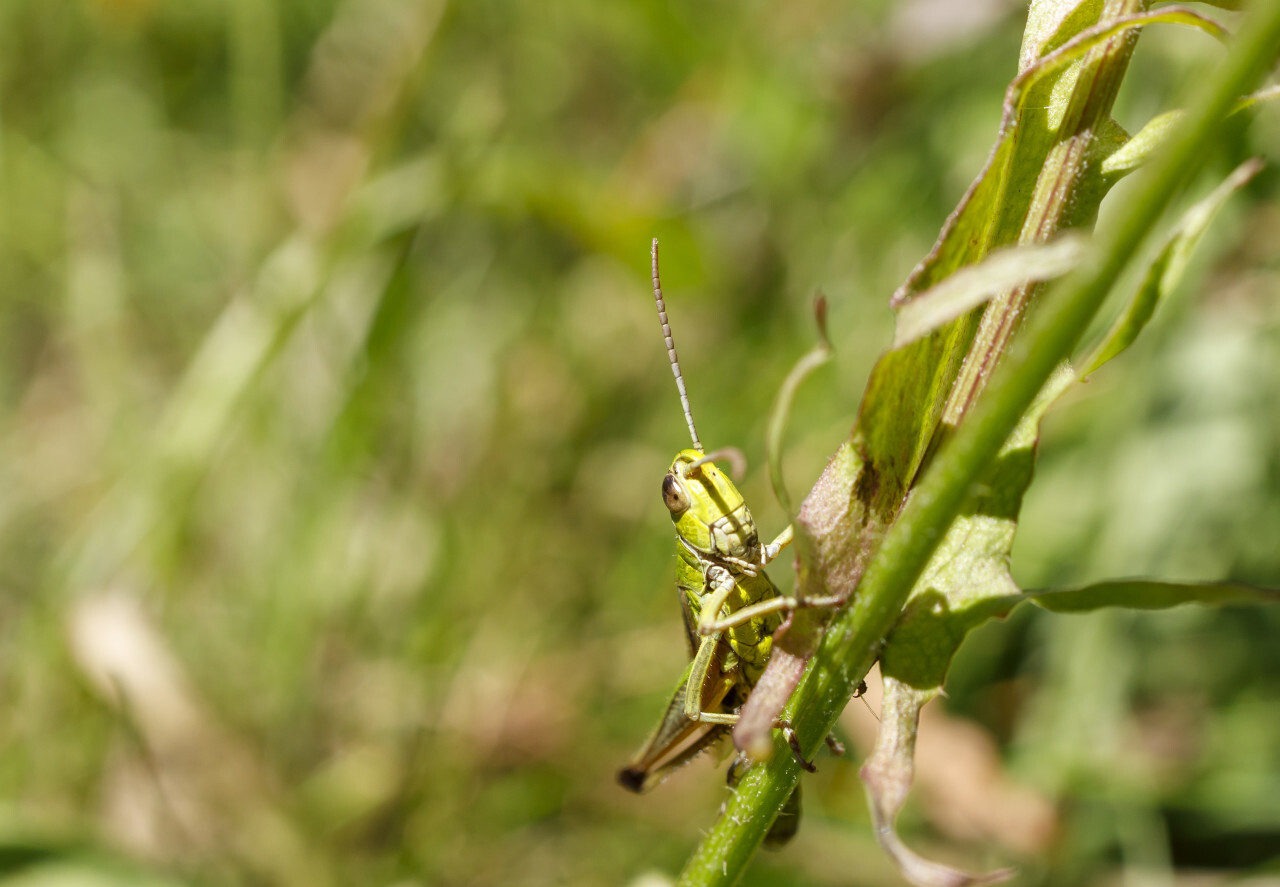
(786, 823)
(676, 740)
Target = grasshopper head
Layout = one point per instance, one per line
(707, 509)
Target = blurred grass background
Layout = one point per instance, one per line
(335, 412)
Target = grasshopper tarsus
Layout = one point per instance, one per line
(789, 733)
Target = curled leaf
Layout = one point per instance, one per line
(973, 285)
(887, 777)
(781, 412)
(1167, 268)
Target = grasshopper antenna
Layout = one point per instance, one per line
(671, 350)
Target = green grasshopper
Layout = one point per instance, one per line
(731, 608)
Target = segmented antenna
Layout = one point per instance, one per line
(671, 350)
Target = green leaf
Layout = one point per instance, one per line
(1137, 150)
(971, 565)
(1132, 594)
(1124, 158)
(1150, 594)
(975, 284)
(1167, 268)
(991, 211)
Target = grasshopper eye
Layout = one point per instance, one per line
(674, 496)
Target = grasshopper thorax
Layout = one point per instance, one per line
(709, 513)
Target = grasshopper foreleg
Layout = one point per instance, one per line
(767, 554)
(707, 625)
(774, 548)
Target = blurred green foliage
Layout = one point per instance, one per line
(335, 413)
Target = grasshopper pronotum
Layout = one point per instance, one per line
(731, 607)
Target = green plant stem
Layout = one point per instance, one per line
(852, 641)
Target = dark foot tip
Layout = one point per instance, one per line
(632, 779)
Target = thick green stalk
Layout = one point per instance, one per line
(852, 641)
